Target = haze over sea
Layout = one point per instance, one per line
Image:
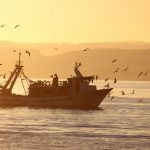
(123, 123)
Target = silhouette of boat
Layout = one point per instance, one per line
(74, 93)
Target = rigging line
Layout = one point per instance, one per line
(23, 85)
(26, 77)
(27, 81)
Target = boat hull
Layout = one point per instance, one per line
(86, 100)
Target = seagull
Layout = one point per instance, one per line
(122, 93)
(140, 74)
(115, 80)
(146, 73)
(17, 26)
(4, 76)
(116, 70)
(132, 92)
(112, 98)
(96, 77)
(114, 60)
(106, 79)
(126, 69)
(109, 94)
(107, 85)
(84, 50)
(28, 53)
(3, 25)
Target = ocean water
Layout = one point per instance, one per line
(123, 123)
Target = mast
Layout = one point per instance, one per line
(7, 88)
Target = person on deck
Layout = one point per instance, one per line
(55, 80)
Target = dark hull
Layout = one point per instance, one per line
(87, 100)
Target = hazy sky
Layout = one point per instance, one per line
(75, 21)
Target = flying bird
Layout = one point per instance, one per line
(14, 50)
(3, 25)
(113, 61)
(132, 92)
(122, 93)
(115, 80)
(28, 53)
(140, 74)
(96, 77)
(107, 85)
(125, 69)
(106, 79)
(109, 94)
(4, 76)
(146, 73)
(116, 70)
(17, 26)
(84, 50)
(112, 98)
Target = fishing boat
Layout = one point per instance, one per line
(75, 92)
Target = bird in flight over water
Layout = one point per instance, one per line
(96, 77)
(112, 98)
(3, 25)
(106, 79)
(126, 69)
(116, 70)
(132, 92)
(84, 50)
(140, 74)
(146, 73)
(109, 94)
(4, 76)
(113, 61)
(122, 93)
(115, 80)
(28, 53)
(107, 85)
(17, 26)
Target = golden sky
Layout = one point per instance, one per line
(75, 21)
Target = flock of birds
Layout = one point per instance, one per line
(142, 73)
(115, 80)
(15, 27)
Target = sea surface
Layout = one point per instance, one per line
(120, 124)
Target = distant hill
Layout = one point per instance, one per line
(59, 48)
(93, 62)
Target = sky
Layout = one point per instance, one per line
(75, 21)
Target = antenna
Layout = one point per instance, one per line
(19, 58)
